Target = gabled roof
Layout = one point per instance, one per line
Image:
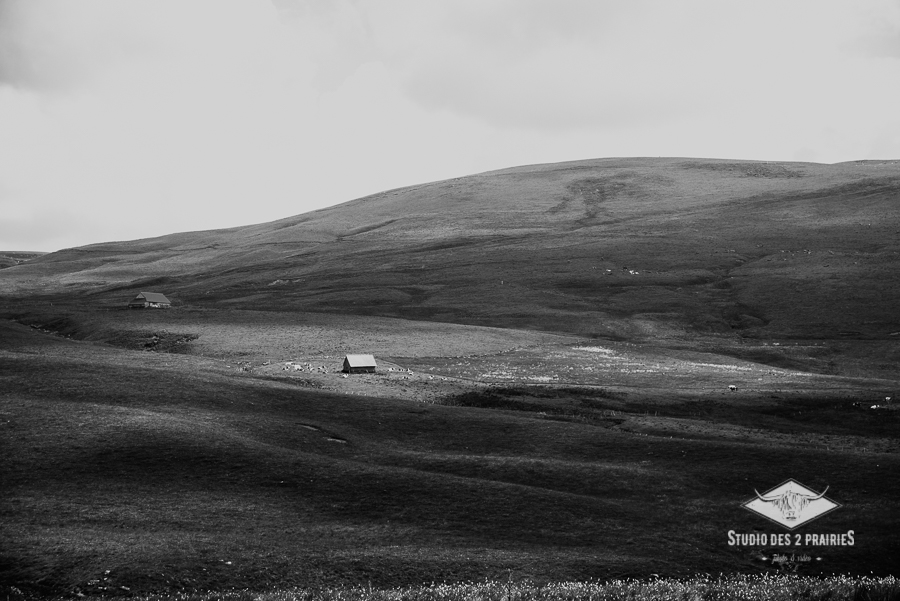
(360, 360)
(152, 297)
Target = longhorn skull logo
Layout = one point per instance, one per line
(790, 504)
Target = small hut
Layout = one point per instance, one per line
(150, 300)
(359, 364)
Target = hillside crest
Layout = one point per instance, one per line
(605, 247)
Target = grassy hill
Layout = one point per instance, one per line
(613, 247)
(556, 345)
(10, 258)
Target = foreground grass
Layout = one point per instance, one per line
(739, 587)
(137, 473)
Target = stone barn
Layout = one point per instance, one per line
(359, 364)
(148, 300)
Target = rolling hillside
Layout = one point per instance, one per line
(11, 258)
(128, 471)
(584, 370)
(621, 248)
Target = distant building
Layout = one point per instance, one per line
(359, 364)
(148, 300)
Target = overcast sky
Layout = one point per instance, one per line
(123, 119)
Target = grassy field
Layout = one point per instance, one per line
(723, 588)
(182, 471)
(584, 370)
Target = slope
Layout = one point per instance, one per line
(155, 471)
(620, 248)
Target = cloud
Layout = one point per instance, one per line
(522, 64)
(53, 45)
(881, 36)
(28, 228)
(886, 145)
(598, 65)
(332, 34)
(504, 61)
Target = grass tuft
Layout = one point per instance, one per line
(701, 587)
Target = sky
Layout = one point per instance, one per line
(126, 119)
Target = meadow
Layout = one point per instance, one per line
(585, 370)
(169, 469)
